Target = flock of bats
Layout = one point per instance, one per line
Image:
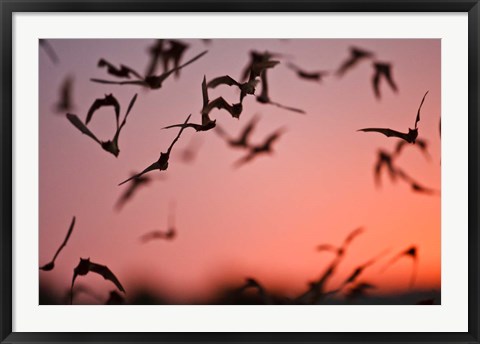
(169, 54)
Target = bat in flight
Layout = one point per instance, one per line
(162, 163)
(258, 63)
(264, 148)
(156, 53)
(242, 140)
(207, 122)
(416, 187)
(47, 47)
(175, 54)
(151, 81)
(420, 143)
(133, 188)
(340, 251)
(356, 55)
(251, 283)
(312, 76)
(361, 268)
(245, 88)
(382, 71)
(110, 146)
(384, 160)
(51, 265)
(65, 102)
(85, 266)
(412, 253)
(264, 98)
(122, 72)
(168, 235)
(108, 100)
(410, 137)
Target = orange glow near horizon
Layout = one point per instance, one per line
(264, 219)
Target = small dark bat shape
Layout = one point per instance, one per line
(264, 148)
(382, 70)
(356, 55)
(51, 265)
(242, 140)
(168, 235)
(340, 251)
(245, 88)
(122, 72)
(410, 137)
(411, 252)
(162, 163)
(85, 266)
(65, 102)
(108, 100)
(313, 76)
(152, 81)
(47, 47)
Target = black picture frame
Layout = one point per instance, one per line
(8, 7)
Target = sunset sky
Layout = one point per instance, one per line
(264, 219)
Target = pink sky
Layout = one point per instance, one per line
(265, 218)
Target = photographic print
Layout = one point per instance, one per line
(239, 171)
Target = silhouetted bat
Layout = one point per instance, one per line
(65, 102)
(151, 81)
(411, 252)
(252, 283)
(235, 110)
(361, 268)
(114, 298)
(384, 160)
(242, 141)
(410, 137)
(258, 63)
(47, 47)
(110, 146)
(175, 54)
(156, 52)
(340, 251)
(169, 234)
(358, 290)
(108, 100)
(162, 163)
(122, 72)
(85, 266)
(415, 185)
(382, 70)
(265, 99)
(356, 55)
(132, 189)
(51, 265)
(265, 147)
(245, 88)
(314, 76)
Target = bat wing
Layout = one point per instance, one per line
(64, 243)
(80, 126)
(387, 132)
(376, 84)
(204, 93)
(167, 74)
(288, 108)
(222, 80)
(327, 247)
(152, 167)
(178, 135)
(417, 119)
(352, 235)
(97, 104)
(106, 273)
(130, 71)
(111, 82)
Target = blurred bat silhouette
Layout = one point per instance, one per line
(85, 266)
(245, 88)
(108, 100)
(252, 283)
(340, 251)
(122, 72)
(207, 122)
(358, 291)
(169, 234)
(264, 148)
(133, 188)
(410, 137)
(356, 55)
(361, 268)
(156, 53)
(65, 102)
(411, 252)
(152, 81)
(235, 110)
(384, 160)
(242, 140)
(313, 76)
(420, 143)
(110, 146)
(175, 54)
(189, 153)
(162, 163)
(265, 99)
(258, 63)
(51, 265)
(416, 187)
(47, 47)
(382, 70)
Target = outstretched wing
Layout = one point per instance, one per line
(417, 119)
(80, 126)
(100, 102)
(166, 74)
(130, 82)
(64, 243)
(288, 108)
(352, 235)
(222, 80)
(387, 132)
(106, 273)
(178, 136)
(152, 167)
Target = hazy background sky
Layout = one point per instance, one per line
(264, 219)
